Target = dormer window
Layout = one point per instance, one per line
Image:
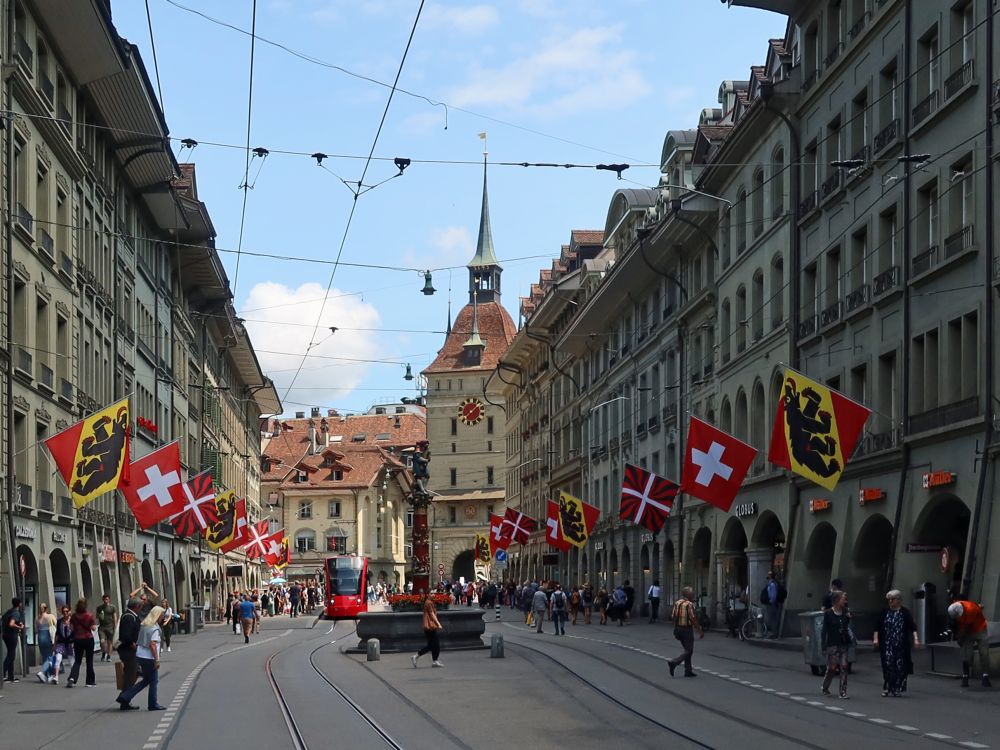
(383, 436)
(301, 476)
(337, 475)
(359, 438)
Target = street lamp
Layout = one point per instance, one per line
(529, 461)
(610, 401)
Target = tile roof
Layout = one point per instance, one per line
(587, 236)
(496, 328)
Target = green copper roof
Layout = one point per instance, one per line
(485, 255)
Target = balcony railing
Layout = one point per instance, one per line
(777, 322)
(25, 494)
(830, 315)
(957, 80)
(669, 412)
(46, 501)
(810, 80)
(709, 369)
(24, 51)
(65, 506)
(24, 360)
(758, 229)
(925, 261)
(858, 298)
(741, 248)
(778, 212)
(862, 155)
(65, 390)
(653, 422)
(943, 416)
(46, 243)
(808, 204)
(65, 119)
(807, 326)
(831, 184)
(833, 55)
(46, 378)
(885, 281)
(959, 241)
(24, 218)
(45, 86)
(926, 107)
(873, 442)
(858, 27)
(66, 264)
(887, 136)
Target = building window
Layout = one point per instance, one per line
(409, 518)
(333, 509)
(452, 514)
(489, 476)
(336, 543)
(489, 425)
(305, 540)
(453, 477)
(454, 426)
(453, 448)
(305, 509)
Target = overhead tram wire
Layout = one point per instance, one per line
(354, 204)
(156, 62)
(246, 173)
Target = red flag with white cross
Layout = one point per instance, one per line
(497, 539)
(256, 542)
(517, 526)
(199, 511)
(715, 464)
(155, 489)
(553, 531)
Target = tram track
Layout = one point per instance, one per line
(295, 730)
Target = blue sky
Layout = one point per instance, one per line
(611, 78)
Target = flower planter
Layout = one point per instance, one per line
(403, 631)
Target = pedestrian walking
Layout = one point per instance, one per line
(432, 626)
(587, 595)
(247, 616)
(574, 604)
(558, 603)
(295, 592)
(601, 602)
(11, 629)
(83, 624)
(107, 621)
(62, 652)
(972, 634)
(234, 609)
(146, 598)
(148, 656)
(629, 592)
(894, 631)
(619, 604)
(167, 623)
(835, 585)
(539, 606)
(836, 641)
(45, 631)
(527, 594)
(128, 637)
(653, 595)
(772, 597)
(685, 626)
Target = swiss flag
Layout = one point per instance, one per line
(517, 526)
(497, 539)
(155, 489)
(256, 540)
(274, 550)
(715, 464)
(553, 534)
(242, 535)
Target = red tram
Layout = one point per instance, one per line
(345, 588)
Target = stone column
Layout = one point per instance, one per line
(758, 564)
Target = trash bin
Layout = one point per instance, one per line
(923, 611)
(196, 615)
(811, 626)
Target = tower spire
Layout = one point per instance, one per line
(474, 345)
(484, 269)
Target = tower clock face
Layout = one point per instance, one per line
(471, 411)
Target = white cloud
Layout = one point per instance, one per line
(570, 73)
(280, 328)
(539, 8)
(469, 19)
(446, 246)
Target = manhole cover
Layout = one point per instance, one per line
(43, 711)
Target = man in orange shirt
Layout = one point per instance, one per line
(971, 632)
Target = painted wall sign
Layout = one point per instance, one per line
(25, 532)
(108, 553)
(147, 548)
(126, 557)
(744, 510)
(870, 495)
(939, 479)
(59, 537)
(598, 546)
(819, 505)
(912, 547)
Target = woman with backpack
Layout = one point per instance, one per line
(574, 604)
(601, 603)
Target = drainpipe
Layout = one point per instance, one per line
(794, 291)
(970, 572)
(905, 279)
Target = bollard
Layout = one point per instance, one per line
(496, 646)
(498, 613)
(374, 649)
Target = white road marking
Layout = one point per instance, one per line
(833, 708)
(797, 697)
(907, 728)
(969, 743)
(855, 714)
(938, 736)
(881, 721)
(815, 703)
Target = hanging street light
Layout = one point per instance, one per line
(428, 289)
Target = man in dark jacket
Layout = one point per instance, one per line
(128, 635)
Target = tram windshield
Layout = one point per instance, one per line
(344, 575)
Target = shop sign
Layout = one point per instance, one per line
(870, 495)
(108, 553)
(911, 547)
(746, 509)
(126, 557)
(147, 548)
(646, 537)
(939, 479)
(24, 532)
(598, 546)
(819, 505)
(59, 537)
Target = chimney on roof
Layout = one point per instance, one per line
(314, 412)
(312, 438)
(276, 429)
(331, 412)
(324, 428)
(395, 422)
(300, 415)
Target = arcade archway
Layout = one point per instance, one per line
(944, 522)
(61, 593)
(818, 558)
(464, 566)
(872, 554)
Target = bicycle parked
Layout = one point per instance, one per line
(755, 625)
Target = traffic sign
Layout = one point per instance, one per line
(501, 555)
(500, 565)
(440, 567)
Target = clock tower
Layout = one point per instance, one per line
(465, 426)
